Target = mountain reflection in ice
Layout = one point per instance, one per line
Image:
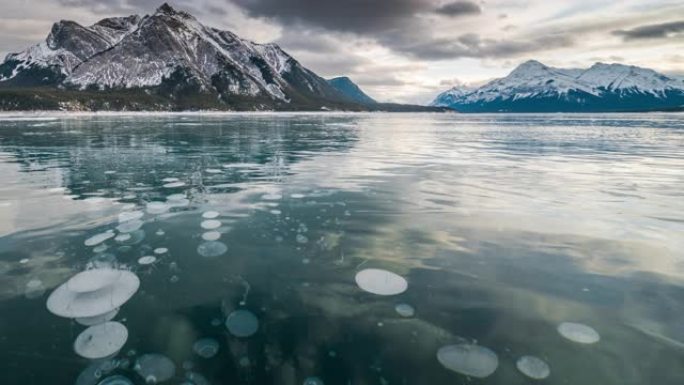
(507, 234)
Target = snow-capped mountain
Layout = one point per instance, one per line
(535, 87)
(168, 55)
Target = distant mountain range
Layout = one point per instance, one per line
(535, 87)
(167, 61)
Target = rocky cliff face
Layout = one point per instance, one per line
(171, 55)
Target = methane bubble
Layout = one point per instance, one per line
(206, 347)
(579, 333)
(212, 249)
(381, 282)
(211, 236)
(211, 224)
(154, 368)
(533, 367)
(101, 340)
(470, 360)
(405, 310)
(242, 323)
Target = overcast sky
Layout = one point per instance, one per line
(408, 50)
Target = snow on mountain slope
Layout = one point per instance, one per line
(142, 52)
(618, 77)
(533, 80)
(168, 40)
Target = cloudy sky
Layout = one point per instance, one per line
(408, 50)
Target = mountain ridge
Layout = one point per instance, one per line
(164, 61)
(346, 86)
(536, 87)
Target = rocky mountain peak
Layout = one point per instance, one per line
(169, 52)
(535, 87)
(166, 9)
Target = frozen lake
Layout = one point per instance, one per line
(342, 249)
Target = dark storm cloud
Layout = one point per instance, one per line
(395, 24)
(301, 39)
(358, 16)
(123, 7)
(403, 26)
(652, 31)
(459, 8)
(471, 45)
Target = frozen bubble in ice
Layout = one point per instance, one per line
(160, 232)
(210, 214)
(195, 378)
(174, 184)
(147, 260)
(381, 282)
(94, 372)
(212, 249)
(115, 380)
(34, 289)
(179, 203)
(170, 180)
(98, 319)
(206, 347)
(242, 323)
(176, 197)
(276, 212)
(24, 261)
(272, 197)
(211, 236)
(93, 280)
(579, 333)
(302, 239)
(136, 237)
(110, 172)
(174, 279)
(99, 238)
(157, 207)
(211, 224)
(122, 237)
(297, 196)
(101, 248)
(533, 367)
(103, 261)
(471, 360)
(129, 226)
(405, 310)
(93, 292)
(213, 171)
(155, 368)
(101, 340)
(130, 215)
(161, 250)
(313, 381)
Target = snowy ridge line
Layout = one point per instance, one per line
(534, 79)
(142, 52)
